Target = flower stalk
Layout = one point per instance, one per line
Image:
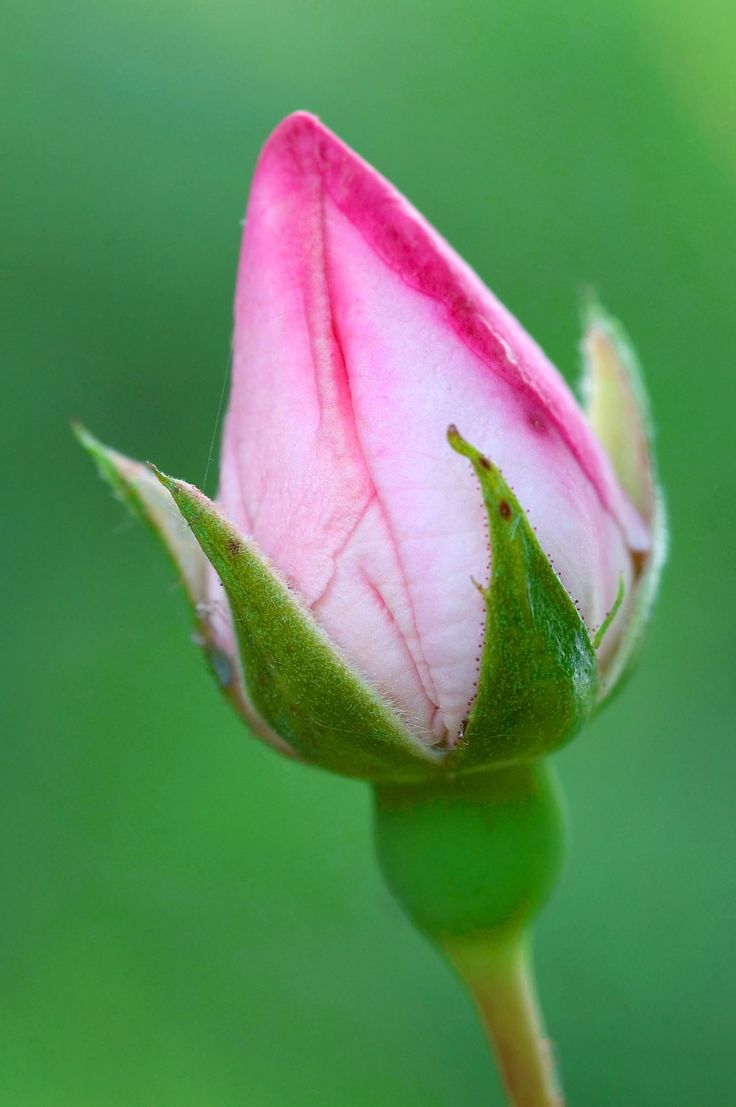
(499, 976)
(471, 860)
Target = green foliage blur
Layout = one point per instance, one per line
(186, 919)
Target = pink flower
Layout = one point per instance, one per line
(359, 336)
(375, 592)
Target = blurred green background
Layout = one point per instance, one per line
(186, 919)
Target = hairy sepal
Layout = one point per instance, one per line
(617, 406)
(538, 673)
(136, 486)
(294, 676)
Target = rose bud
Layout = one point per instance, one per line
(384, 596)
(360, 336)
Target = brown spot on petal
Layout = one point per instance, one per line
(504, 509)
(234, 546)
(484, 462)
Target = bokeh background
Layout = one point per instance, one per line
(186, 919)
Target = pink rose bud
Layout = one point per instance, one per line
(344, 588)
(359, 336)
(384, 596)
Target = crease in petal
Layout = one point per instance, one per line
(383, 637)
(289, 410)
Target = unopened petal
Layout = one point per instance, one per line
(360, 335)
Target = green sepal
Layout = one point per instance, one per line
(600, 635)
(135, 485)
(294, 676)
(472, 856)
(617, 406)
(538, 674)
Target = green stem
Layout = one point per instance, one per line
(499, 976)
(471, 859)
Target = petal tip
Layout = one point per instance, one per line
(295, 141)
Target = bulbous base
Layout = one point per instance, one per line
(471, 859)
(472, 855)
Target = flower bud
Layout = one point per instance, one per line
(372, 600)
